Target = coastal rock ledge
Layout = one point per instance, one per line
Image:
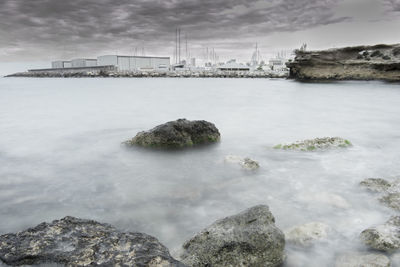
(177, 134)
(379, 62)
(249, 238)
(384, 237)
(78, 242)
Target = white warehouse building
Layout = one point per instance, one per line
(60, 64)
(83, 62)
(135, 63)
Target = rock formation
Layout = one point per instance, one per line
(307, 234)
(177, 134)
(246, 163)
(316, 144)
(385, 237)
(389, 189)
(379, 62)
(376, 184)
(77, 242)
(249, 238)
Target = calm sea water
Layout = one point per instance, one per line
(61, 154)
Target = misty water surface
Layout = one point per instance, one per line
(61, 154)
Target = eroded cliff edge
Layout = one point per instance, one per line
(378, 62)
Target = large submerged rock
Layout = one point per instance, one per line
(177, 134)
(307, 234)
(379, 62)
(249, 238)
(316, 144)
(385, 237)
(77, 242)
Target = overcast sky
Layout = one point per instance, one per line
(45, 30)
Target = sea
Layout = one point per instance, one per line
(61, 154)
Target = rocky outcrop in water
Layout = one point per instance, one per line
(246, 163)
(385, 237)
(307, 234)
(379, 62)
(389, 191)
(77, 242)
(357, 259)
(249, 238)
(376, 184)
(177, 134)
(316, 144)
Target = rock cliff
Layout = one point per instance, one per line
(379, 62)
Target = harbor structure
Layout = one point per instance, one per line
(135, 63)
(83, 62)
(277, 63)
(233, 66)
(60, 64)
(118, 62)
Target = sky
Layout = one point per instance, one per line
(46, 30)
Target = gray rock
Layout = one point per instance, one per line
(250, 164)
(307, 234)
(246, 163)
(358, 259)
(177, 134)
(77, 242)
(390, 190)
(376, 184)
(249, 238)
(385, 237)
(391, 200)
(316, 144)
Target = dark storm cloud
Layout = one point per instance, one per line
(394, 5)
(34, 27)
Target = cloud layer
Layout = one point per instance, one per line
(55, 28)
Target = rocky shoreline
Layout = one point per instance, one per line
(379, 62)
(113, 74)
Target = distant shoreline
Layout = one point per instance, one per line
(150, 75)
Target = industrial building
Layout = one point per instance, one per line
(83, 62)
(277, 63)
(121, 63)
(233, 66)
(60, 64)
(135, 63)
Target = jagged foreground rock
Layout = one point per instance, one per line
(357, 259)
(379, 62)
(249, 238)
(385, 237)
(77, 242)
(177, 134)
(316, 144)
